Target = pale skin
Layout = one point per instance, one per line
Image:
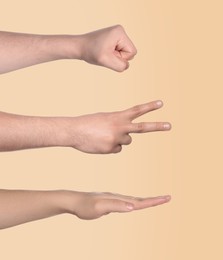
(109, 47)
(100, 133)
(20, 206)
(97, 133)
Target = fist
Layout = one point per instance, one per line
(108, 47)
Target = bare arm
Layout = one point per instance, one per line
(108, 47)
(99, 133)
(19, 206)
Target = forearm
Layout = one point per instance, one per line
(26, 132)
(109, 47)
(18, 207)
(99, 133)
(19, 50)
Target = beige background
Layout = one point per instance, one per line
(179, 61)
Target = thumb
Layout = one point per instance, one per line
(118, 64)
(115, 205)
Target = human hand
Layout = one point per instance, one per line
(22, 206)
(106, 132)
(91, 205)
(100, 133)
(108, 47)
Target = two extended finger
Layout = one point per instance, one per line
(144, 127)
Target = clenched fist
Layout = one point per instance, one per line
(109, 47)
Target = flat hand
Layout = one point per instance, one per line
(108, 47)
(95, 205)
(107, 132)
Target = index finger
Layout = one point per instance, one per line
(142, 109)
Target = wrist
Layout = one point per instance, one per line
(54, 131)
(66, 201)
(73, 46)
(63, 46)
(66, 132)
(50, 132)
(59, 201)
(46, 132)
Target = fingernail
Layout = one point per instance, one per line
(167, 126)
(129, 206)
(159, 103)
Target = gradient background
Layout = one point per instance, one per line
(179, 61)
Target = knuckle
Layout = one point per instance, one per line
(135, 51)
(140, 127)
(120, 69)
(107, 193)
(122, 66)
(118, 149)
(158, 126)
(119, 26)
(130, 140)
